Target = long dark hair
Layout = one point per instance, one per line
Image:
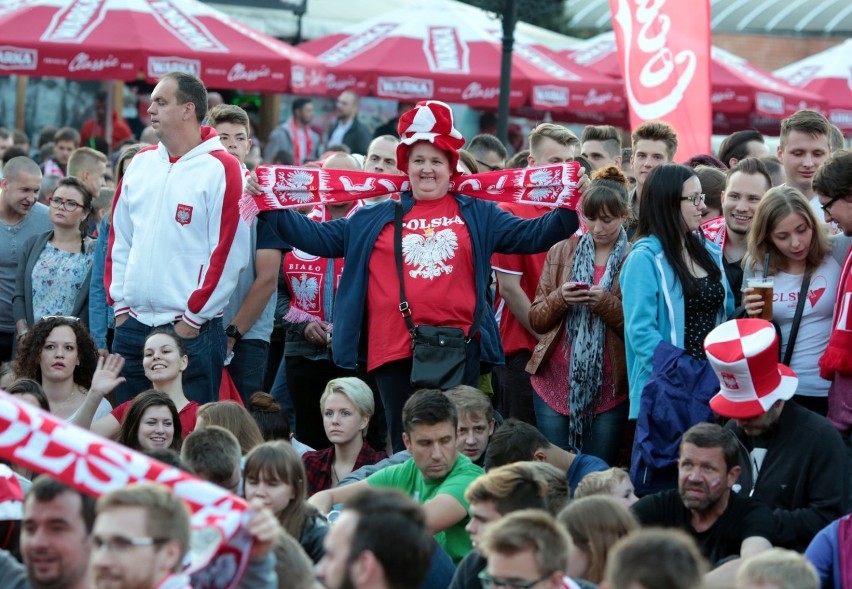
(28, 358)
(660, 215)
(129, 433)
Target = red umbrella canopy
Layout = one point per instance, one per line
(129, 39)
(829, 74)
(444, 50)
(738, 86)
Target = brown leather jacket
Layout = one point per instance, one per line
(547, 313)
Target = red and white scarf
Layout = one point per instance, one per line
(715, 230)
(94, 465)
(285, 187)
(838, 354)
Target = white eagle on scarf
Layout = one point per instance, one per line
(305, 289)
(428, 252)
(295, 185)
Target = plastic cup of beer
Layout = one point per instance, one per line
(764, 286)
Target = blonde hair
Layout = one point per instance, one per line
(236, 419)
(595, 524)
(561, 135)
(781, 568)
(354, 389)
(776, 204)
(601, 482)
(167, 516)
(529, 529)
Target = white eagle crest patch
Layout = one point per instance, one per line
(546, 180)
(305, 289)
(429, 252)
(294, 186)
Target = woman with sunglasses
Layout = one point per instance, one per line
(54, 268)
(674, 288)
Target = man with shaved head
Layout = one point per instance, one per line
(21, 217)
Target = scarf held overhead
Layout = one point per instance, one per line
(284, 187)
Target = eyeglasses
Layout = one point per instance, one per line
(121, 544)
(826, 208)
(67, 317)
(489, 582)
(69, 205)
(490, 167)
(696, 198)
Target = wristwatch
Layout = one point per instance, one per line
(232, 331)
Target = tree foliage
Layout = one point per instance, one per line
(548, 14)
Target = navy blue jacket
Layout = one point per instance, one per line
(491, 230)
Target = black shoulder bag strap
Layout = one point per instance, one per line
(397, 254)
(794, 329)
(404, 308)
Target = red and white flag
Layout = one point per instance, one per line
(45, 444)
(664, 49)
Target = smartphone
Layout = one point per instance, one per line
(580, 285)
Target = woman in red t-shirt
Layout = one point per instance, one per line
(164, 361)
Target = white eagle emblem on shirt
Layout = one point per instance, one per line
(294, 185)
(428, 252)
(305, 290)
(545, 180)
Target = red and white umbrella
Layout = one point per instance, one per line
(829, 74)
(451, 51)
(132, 39)
(738, 87)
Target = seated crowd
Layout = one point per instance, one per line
(624, 352)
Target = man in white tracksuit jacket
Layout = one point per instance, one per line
(177, 242)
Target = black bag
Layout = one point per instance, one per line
(438, 358)
(439, 354)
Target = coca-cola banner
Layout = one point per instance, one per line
(664, 49)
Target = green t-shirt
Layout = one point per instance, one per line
(407, 478)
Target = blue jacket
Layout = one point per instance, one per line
(101, 317)
(491, 230)
(654, 308)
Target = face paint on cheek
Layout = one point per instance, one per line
(716, 483)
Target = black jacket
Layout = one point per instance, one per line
(803, 478)
(358, 136)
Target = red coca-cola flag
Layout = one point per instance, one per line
(664, 49)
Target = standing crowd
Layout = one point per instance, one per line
(684, 336)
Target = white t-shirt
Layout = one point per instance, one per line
(104, 409)
(815, 326)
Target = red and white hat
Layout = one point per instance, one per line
(744, 356)
(11, 495)
(432, 121)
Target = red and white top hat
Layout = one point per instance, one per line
(744, 356)
(432, 121)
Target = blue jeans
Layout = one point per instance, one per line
(602, 439)
(203, 374)
(281, 393)
(248, 367)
